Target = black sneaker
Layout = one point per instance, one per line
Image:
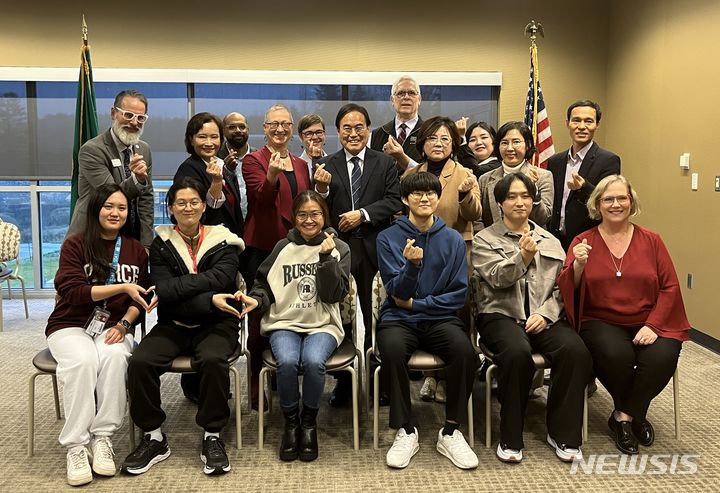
(214, 456)
(148, 453)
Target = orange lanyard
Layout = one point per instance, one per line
(189, 248)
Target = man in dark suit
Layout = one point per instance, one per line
(119, 156)
(397, 137)
(362, 190)
(577, 171)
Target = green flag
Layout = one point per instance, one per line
(86, 120)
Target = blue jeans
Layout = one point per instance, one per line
(291, 350)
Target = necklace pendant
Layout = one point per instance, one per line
(618, 274)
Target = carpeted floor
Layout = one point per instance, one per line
(339, 467)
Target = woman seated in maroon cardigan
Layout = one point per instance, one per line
(621, 292)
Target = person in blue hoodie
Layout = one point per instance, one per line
(423, 268)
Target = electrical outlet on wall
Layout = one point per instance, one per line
(694, 182)
(717, 183)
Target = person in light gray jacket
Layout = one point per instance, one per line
(521, 313)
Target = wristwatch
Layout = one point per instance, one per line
(125, 324)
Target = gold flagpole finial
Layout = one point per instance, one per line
(532, 29)
(84, 31)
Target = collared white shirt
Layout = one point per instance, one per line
(573, 166)
(350, 166)
(241, 181)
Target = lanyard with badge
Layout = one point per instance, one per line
(193, 256)
(100, 316)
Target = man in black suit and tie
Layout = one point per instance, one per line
(577, 171)
(119, 156)
(362, 190)
(397, 137)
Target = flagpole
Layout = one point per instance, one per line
(535, 110)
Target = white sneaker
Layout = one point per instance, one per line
(440, 394)
(427, 391)
(78, 466)
(103, 462)
(403, 449)
(507, 454)
(563, 452)
(455, 448)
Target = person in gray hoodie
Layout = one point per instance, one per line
(299, 288)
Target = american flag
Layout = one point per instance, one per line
(536, 115)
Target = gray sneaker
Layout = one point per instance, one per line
(78, 466)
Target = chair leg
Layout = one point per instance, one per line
(488, 398)
(22, 284)
(376, 406)
(261, 406)
(676, 398)
(356, 424)
(471, 424)
(238, 405)
(368, 354)
(56, 397)
(249, 379)
(360, 373)
(31, 414)
(585, 417)
(1, 311)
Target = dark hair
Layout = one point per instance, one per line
(588, 103)
(182, 184)
(503, 186)
(349, 108)
(308, 121)
(420, 182)
(130, 93)
(485, 126)
(95, 250)
(311, 196)
(195, 124)
(432, 125)
(524, 131)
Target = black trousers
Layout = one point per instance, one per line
(446, 338)
(363, 268)
(210, 348)
(632, 374)
(571, 366)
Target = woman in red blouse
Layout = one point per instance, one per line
(621, 292)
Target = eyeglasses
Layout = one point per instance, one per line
(430, 194)
(316, 134)
(194, 204)
(444, 140)
(304, 216)
(275, 125)
(129, 115)
(239, 126)
(621, 199)
(348, 130)
(410, 94)
(515, 143)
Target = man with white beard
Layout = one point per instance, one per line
(119, 156)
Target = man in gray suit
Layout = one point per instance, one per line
(119, 156)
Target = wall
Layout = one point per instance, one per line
(382, 36)
(662, 101)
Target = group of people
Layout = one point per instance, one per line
(426, 203)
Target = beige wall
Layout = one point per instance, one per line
(662, 101)
(649, 63)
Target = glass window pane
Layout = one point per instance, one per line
(54, 220)
(15, 208)
(253, 100)
(14, 130)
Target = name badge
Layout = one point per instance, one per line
(116, 163)
(96, 323)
